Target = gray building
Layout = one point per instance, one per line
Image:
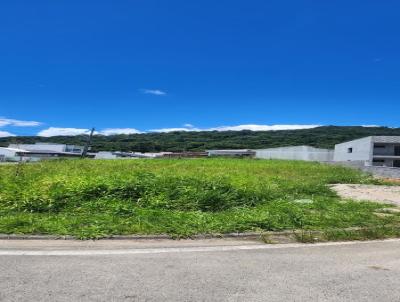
(56, 148)
(40, 151)
(370, 151)
(307, 153)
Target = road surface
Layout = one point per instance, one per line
(208, 270)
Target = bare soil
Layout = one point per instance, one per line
(383, 194)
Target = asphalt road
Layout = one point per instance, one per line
(208, 270)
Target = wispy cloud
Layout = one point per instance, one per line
(113, 131)
(55, 131)
(18, 123)
(153, 91)
(175, 129)
(252, 127)
(185, 127)
(370, 126)
(6, 134)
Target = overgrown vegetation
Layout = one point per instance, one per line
(91, 199)
(323, 137)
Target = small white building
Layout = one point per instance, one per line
(49, 147)
(12, 154)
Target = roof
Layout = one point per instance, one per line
(48, 152)
(13, 149)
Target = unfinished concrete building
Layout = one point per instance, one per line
(370, 151)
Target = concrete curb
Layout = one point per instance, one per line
(288, 236)
(131, 237)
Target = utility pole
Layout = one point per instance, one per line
(89, 141)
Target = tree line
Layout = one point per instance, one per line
(322, 137)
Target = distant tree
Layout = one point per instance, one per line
(322, 137)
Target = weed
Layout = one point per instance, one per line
(92, 199)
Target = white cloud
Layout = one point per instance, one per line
(112, 131)
(18, 123)
(370, 126)
(6, 134)
(175, 129)
(252, 127)
(153, 91)
(54, 131)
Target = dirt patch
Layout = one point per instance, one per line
(384, 194)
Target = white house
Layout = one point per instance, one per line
(12, 154)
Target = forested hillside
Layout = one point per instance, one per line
(324, 137)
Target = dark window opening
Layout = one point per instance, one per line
(378, 160)
(349, 150)
(379, 146)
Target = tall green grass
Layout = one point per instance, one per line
(88, 198)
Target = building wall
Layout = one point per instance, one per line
(6, 152)
(374, 170)
(296, 153)
(11, 155)
(38, 147)
(51, 147)
(361, 150)
(383, 171)
(105, 155)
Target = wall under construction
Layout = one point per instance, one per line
(296, 153)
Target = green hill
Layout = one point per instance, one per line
(323, 137)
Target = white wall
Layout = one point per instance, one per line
(30, 147)
(361, 150)
(296, 153)
(7, 152)
(105, 155)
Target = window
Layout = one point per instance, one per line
(379, 146)
(349, 150)
(378, 160)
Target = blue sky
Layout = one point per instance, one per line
(126, 66)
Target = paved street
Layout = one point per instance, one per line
(208, 270)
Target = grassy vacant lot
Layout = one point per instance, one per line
(91, 199)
